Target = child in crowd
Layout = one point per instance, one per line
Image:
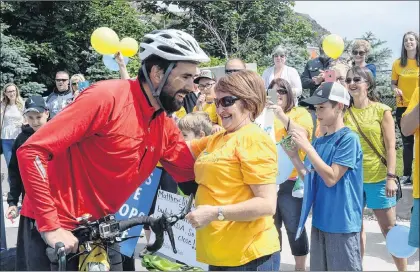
(194, 125)
(36, 114)
(336, 175)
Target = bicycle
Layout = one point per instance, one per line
(93, 235)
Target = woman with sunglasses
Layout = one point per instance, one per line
(11, 118)
(74, 81)
(281, 70)
(374, 124)
(236, 174)
(404, 80)
(289, 117)
(360, 50)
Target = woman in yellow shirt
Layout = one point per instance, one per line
(289, 117)
(236, 174)
(373, 120)
(405, 79)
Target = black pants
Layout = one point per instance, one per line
(408, 145)
(288, 212)
(31, 251)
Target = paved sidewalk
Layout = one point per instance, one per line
(376, 256)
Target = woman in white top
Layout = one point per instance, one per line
(11, 118)
(281, 70)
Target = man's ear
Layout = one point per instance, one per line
(156, 74)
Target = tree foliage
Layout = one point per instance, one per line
(15, 65)
(56, 34)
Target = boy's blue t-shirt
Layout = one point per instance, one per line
(338, 209)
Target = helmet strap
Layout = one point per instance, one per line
(156, 92)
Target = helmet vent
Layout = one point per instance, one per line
(168, 49)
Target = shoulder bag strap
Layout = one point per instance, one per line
(383, 160)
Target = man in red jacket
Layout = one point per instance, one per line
(98, 150)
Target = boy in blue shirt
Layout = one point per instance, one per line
(337, 180)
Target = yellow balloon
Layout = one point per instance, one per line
(333, 46)
(129, 47)
(105, 41)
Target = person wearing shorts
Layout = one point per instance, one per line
(374, 124)
(410, 126)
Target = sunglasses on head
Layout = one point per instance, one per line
(61, 80)
(230, 71)
(354, 79)
(226, 101)
(360, 53)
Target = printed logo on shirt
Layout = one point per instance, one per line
(319, 93)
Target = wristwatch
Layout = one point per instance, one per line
(220, 215)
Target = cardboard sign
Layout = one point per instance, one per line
(184, 233)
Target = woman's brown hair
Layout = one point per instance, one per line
(404, 57)
(247, 86)
(284, 84)
(367, 75)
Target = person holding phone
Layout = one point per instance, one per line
(289, 117)
(74, 83)
(404, 80)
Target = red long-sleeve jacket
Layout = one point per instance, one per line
(96, 152)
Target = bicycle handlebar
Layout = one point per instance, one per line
(92, 231)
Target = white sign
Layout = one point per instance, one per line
(266, 122)
(184, 233)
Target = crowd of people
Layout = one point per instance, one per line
(83, 151)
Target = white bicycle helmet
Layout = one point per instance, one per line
(173, 45)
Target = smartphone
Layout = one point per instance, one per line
(272, 93)
(329, 76)
(83, 85)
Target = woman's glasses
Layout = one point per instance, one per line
(356, 80)
(226, 101)
(360, 53)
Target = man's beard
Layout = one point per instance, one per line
(170, 103)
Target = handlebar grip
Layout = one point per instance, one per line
(57, 255)
(135, 221)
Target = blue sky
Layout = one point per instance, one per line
(388, 20)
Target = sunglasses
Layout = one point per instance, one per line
(226, 101)
(230, 71)
(277, 55)
(356, 80)
(74, 83)
(60, 80)
(360, 53)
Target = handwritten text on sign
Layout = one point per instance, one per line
(184, 233)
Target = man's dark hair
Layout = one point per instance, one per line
(150, 62)
(62, 72)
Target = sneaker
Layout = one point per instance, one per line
(405, 180)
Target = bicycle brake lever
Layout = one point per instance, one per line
(171, 237)
(187, 208)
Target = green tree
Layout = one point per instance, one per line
(57, 34)
(15, 65)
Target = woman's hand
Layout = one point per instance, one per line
(299, 136)
(216, 128)
(12, 212)
(397, 92)
(391, 187)
(119, 58)
(201, 100)
(202, 216)
(278, 112)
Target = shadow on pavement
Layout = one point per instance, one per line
(376, 247)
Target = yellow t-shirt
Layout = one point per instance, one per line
(413, 103)
(225, 168)
(370, 121)
(408, 79)
(180, 113)
(301, 117)
(211, 111)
